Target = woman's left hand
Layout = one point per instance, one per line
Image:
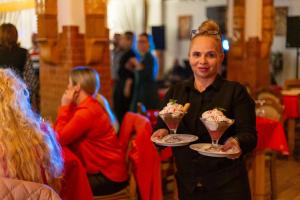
(232, 143)
(68, 97)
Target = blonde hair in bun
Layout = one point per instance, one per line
(208, 28)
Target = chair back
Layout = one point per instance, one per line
(12, 189)
(270, 109)
(152, 116)
(266, 93)
(143, 160)
(135, 134)
(291, 83)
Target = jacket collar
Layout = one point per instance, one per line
(215, 85)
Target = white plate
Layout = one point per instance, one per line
(203, 148)
(174, 140)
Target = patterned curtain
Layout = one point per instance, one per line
(125, 15)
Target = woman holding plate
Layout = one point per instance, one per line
(207, 176)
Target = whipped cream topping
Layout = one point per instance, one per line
(215, 115)
(172, 108)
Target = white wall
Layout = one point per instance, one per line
(125, 15)
(71, 13)
(176, 48)
(197, 8)
(289, 54)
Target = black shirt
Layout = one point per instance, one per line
(123, 72)
(231, 96)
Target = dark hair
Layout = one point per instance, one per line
(129, 35)
(145, 35)
(8, 35)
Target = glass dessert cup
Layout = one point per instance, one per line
(172, 121)
(216, 130)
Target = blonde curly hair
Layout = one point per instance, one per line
(28, 148)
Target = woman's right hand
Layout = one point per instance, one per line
(160, 133)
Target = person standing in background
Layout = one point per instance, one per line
(145, 88)
(116, 54)
(34, 53)
(17, 58)
(123, 90)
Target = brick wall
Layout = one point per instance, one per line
(105, 74)
(248, 61)
(54, 76)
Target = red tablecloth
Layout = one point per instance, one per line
(75, 185)
(271, 135)
(291, 109)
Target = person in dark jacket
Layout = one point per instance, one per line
(205, 177)
(123, 89)
(145, 88)
(17, 58)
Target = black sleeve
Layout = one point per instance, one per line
(244, 112)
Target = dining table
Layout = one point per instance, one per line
(290, 114)
(271, 137)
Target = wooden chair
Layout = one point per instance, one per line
(134, 137)
(121, 195)
(291, 83)
(272, 110)
(265, 93)
(130, 192)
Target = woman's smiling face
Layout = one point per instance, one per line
(205, 57)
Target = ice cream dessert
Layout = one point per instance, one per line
(175, 109)
(172, 114)
(214, 117)
(215, 122)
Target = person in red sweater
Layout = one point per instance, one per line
(84, 126)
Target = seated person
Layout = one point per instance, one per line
(28, 148)
(84, 126)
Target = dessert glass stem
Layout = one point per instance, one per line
(173, 131)
(214, 143)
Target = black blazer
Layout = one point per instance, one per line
(14, 58)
